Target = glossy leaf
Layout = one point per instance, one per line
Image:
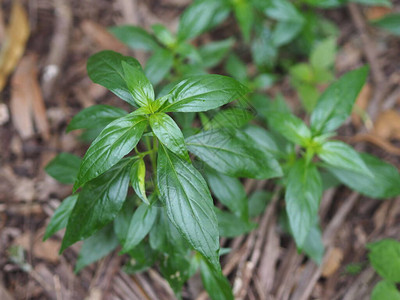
(201, 16)
(384, 184)
(60, 217)
(134, 37)
(113, 143)
(98, 204)
(229, 191)
(340, 155)
(138, 85)
(336, 103)
(385, 290)
(141, 223)
(64, 167)
(291, 127)
(262, 138)
(231, 225)
(384, 257)
(234, 117)
(215, 283)
(159, 65)
(212, 53)
(189, 204)
(123, 219)
(138, 178)
(169, 134)
(105, 68)
(96, 116)
(302, 197)
(96, 247)
(233, 154)
(202, 93)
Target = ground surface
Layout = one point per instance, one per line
(263, 265)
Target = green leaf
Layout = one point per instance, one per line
(138, 178)
(64, 167)
(142, 256)
(134, 37)
(309, 95)
(302, 197)
(229, 191)
(391, 23)
(141, 223)
(96, 247)
(113, 143)
(138, 85)
(230, 225)
(387, 3)
(215, 283)
(94, 117)
(164, 35)
(258, 201)
(105, 68)
(212, 53)
(324, 54)
(159, 65)
(60, 217)
(262, 138)
(189, 204)
(385, 290)
(201, 16)
(283, 10)
(176, 269)
(233, 154)
(340, 155)
(123, 219)
(291, 127)
(313, 245)
(202, 93)
(98, 203)
(286, 31)
(169, 134)
(384, 184)
(235, 117)
(336, 103)
(244, 14)
(236, 68)
(263, 50)
(384, 257)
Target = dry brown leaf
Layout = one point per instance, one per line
(14, 44)
(361, 105)
(332, 262)
(47, 250)
(387, 125)
(27, 105)
(102, 37)
(376, 140)
(377, 12)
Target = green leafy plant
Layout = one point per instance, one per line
(171, 217)
(384, 257)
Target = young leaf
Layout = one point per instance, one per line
(96, 116)
(385, 290)
(169, 134)
(324, 54)
(384, 257)
(138, 177)
(233, 154)
(215, 283)
(291, 127)
(98, 203)
(60, 217)
(64, 167)
(202, 93)
(302, 197)
(391, 23)
(113, 143)
(96, 247)
(141, 223)
(384, 184)
(159, 65)
(230, 225)
(340, 155)
(229, 191)
(105, 68)
(245, 15)
(336, 103)
(212, 53)
(138, 84)
(189, 204)
(164, 35)
(201, 16)
(134, 37)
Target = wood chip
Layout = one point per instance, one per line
(332, 262)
